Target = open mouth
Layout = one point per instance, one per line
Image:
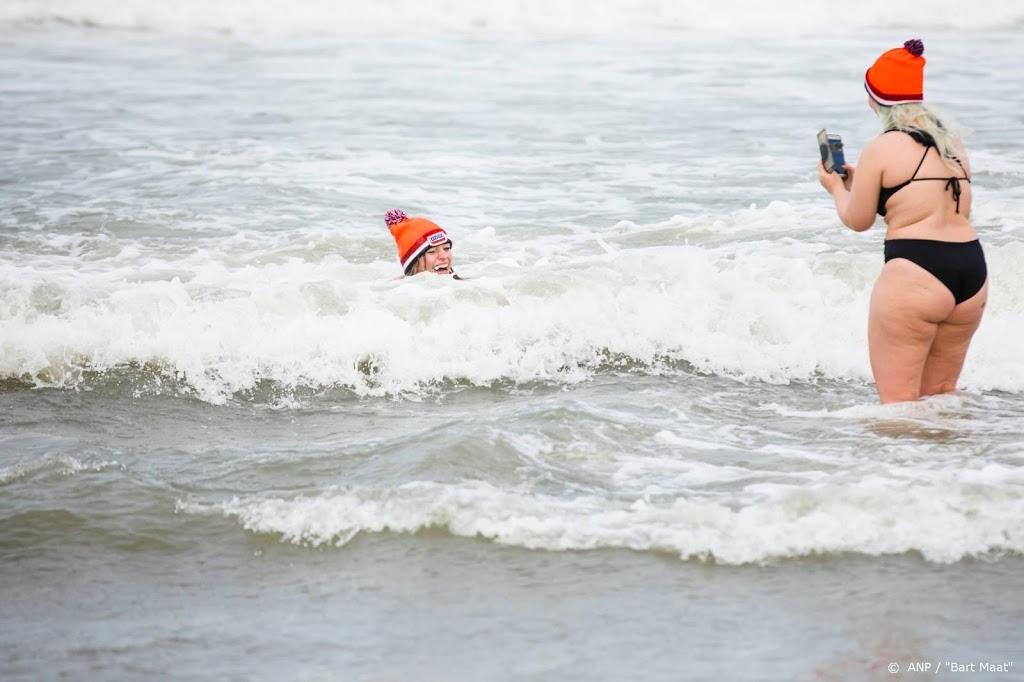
(442, 269)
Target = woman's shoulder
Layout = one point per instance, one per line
(889, 144)
(893, 137)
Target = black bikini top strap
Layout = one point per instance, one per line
(920, 163)
(920, 136)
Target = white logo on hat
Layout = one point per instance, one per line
(437, 238)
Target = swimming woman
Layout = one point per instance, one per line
(423, 246)
(929, 298)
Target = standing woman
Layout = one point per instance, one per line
(931, 293)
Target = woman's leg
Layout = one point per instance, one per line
(949, 349)
(907, 307)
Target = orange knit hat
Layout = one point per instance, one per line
(897, 77)
(413, 236)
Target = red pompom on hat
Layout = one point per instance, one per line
(897, 77)
(413, 236)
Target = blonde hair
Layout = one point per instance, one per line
(916, 116)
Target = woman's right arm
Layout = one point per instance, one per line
(858, 206)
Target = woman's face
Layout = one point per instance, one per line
(437, 259)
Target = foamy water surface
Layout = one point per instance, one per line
(659, 349)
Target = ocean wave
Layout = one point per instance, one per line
(63, 465)
(972, 514)
(300, 325)
(152, 379)
(491, 16)
(777, 313)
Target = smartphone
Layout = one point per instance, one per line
(831, 148)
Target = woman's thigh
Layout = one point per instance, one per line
(949, 349)
(907, 307)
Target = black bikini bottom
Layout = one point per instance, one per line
(958, 265)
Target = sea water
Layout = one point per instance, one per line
(639, 441)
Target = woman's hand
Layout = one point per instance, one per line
(833, 181)
(848, 180)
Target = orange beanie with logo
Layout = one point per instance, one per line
(413, 236)
(897, 77)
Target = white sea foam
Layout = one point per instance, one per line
(543, 16)
(951, 516)
(66, 465)
(772, 311)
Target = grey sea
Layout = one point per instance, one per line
(639, 441)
